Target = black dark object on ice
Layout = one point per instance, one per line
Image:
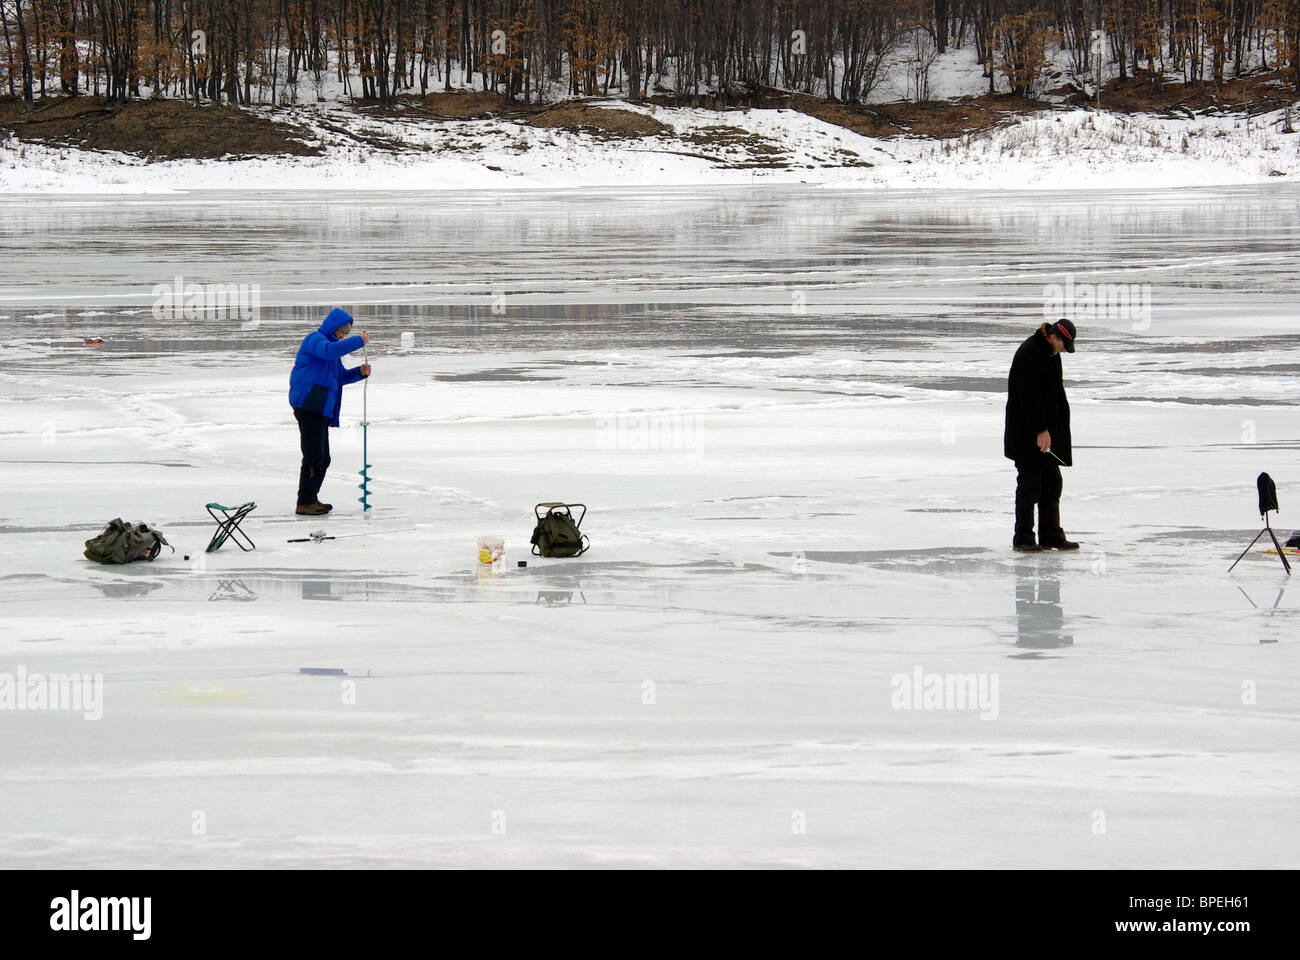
(1267, 502)
(557, 533)
(1267, 494)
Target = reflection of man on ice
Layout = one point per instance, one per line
(316, 395)
(1037, 436)
(1040, 619)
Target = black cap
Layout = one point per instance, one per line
(1065, 330)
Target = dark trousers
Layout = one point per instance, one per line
(1038, 483)
(314, 431)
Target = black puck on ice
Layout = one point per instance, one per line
(523, 563)
(187, 556)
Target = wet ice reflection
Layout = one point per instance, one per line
(1040, 618)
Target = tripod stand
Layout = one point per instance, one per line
(1267, 502)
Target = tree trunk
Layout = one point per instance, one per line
(26, 53)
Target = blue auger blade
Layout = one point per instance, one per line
(364, 487)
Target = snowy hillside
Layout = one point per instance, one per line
(1054, 150)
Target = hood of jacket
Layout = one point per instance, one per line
(333, 320)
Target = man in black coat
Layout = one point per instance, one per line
(1037, 436)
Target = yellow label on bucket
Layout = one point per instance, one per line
(490, 550)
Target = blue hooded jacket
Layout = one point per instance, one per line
(316, 384)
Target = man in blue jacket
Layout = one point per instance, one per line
(316, 395)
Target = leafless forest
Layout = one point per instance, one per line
(273, 51)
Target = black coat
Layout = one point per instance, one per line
(1036, 402)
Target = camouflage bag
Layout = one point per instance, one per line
(121, 542)
(557, 533)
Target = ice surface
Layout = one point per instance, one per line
(783, 408)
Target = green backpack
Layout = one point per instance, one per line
(557, 533)
(123, 542)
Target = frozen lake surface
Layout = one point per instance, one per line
(784, 411)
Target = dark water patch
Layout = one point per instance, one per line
(923, 554)
(747, 355)
(499, 375)
(1240, 537)
(1207, 401)
(946, 510)
(97, 463)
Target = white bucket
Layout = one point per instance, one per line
(490, 550)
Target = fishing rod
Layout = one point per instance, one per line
(316, 536)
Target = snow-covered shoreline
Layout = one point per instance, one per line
(1063, 149)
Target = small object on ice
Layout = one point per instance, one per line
(187, 556)
(94, 341)
(323, 671)
(490, 550)
(228, 526)
(319, 535)
(523, 563)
